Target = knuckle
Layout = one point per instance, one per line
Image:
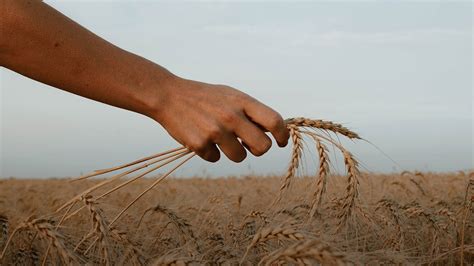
(275, 121)
(244, 98)
(228, 117)
(199, 146)
(213, 133)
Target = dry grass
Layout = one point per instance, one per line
(331, 219)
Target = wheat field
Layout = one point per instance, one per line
(329, 219)
(423, 219)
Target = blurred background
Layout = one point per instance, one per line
(398, 73)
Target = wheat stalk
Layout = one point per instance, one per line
(151, 187)
(169, 158)
(108, 170)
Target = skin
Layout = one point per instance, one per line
(41, 43)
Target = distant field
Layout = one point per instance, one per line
(409, 218)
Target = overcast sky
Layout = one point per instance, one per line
(400, 74)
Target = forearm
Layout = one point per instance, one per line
(41, 43)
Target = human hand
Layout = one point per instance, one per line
(201, 116)
(45, 45)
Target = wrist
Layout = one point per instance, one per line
(160, 95)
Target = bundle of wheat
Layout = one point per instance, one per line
(316, 130)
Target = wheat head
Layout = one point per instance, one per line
(305, 252)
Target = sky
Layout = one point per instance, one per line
(398, 73)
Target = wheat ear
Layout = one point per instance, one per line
(351, 188)
(99, 227)
(294, 125)
(305, 252)
(297, 142)
(323, 171)
(417, 211)
(3, 229)
(133, 248)
(323, 125)
(393, 210)
(268, 233)
(180, 223)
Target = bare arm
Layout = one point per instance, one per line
(41, 43)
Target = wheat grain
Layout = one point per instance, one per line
(258, 214)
